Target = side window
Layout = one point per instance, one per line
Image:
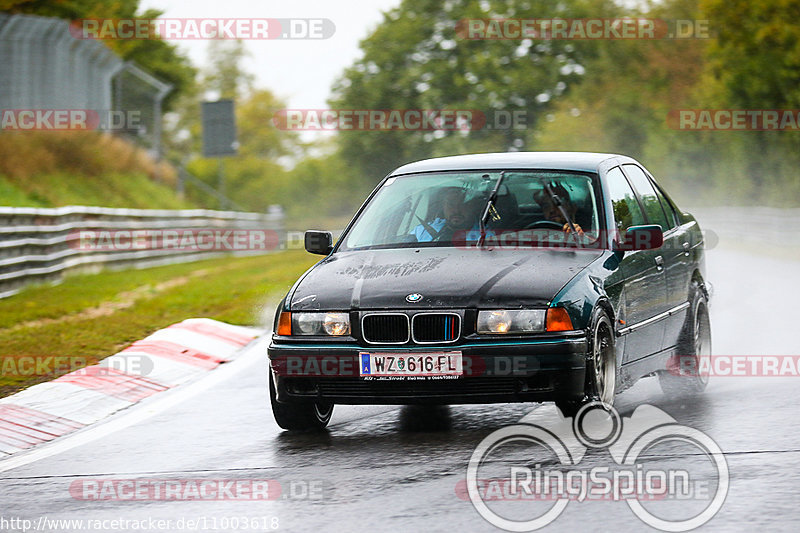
(626, 208)
(672, 212)
(652, 206)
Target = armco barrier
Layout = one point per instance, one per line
(39, 244)
(771, 226)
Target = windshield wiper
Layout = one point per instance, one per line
(559, 204)
(490, 207)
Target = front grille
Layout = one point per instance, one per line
(436, 327)
(386, 328)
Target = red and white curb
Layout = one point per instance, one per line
(163, 360)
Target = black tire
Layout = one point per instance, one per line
(695, 341)
(299, 416)
(601, 367)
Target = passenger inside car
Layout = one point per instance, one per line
(551, 211)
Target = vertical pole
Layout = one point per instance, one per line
(180, 187)
(118, 83)
(221, 183)
(157, 133)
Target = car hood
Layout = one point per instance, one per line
(445, 277)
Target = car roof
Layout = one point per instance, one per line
(578, 161)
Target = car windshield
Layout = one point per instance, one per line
(444, 209)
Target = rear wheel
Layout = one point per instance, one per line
(695, 343)
(601, 367)
(299, 416)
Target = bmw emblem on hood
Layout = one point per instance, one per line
(415, 297)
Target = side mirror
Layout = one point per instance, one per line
(318, 242)
(647, 237)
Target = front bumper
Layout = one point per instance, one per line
(529, 369)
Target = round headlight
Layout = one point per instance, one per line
(516, 321)
(498, 321)
(307, 323)
(336, 324)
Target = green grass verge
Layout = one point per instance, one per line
(64, 320)
(133, 190)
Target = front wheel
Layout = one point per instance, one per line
(299, 416)
(601, 367)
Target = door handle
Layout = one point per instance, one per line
(686, 249)
(659, 262)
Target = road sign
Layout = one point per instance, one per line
(219, 129)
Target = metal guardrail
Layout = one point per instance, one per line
(41, 244)
(759, 225)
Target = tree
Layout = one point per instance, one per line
(756, 53)
(225, 74)
(415, 59)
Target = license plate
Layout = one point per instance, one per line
(386, 364)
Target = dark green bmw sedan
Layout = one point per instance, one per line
(488, 278)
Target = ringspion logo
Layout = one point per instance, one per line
(560, 476)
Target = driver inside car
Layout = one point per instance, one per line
(552, 212)
(454, 217)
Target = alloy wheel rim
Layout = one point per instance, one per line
(702, 348)
(605, 373)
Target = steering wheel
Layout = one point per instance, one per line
(546, 223)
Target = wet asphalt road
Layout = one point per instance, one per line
(393, 468)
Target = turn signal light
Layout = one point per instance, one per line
(285, 323)
(558, 320)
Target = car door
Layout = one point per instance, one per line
(644, 291)
(675, 251)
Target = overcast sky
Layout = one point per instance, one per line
(298, 71)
